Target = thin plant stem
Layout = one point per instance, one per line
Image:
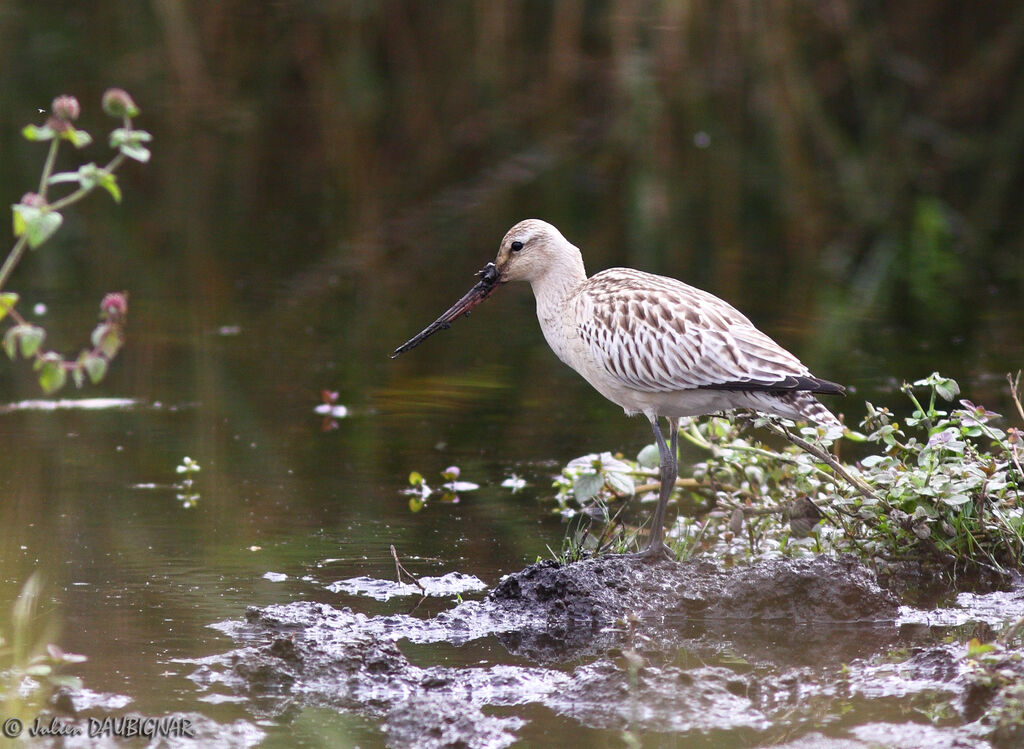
(12, 260)
(81, 192)
(825, 458)
(51, 158)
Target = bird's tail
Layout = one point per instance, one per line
(798, 404)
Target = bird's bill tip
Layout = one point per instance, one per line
(489, 279)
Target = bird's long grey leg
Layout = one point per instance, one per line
(669, 470)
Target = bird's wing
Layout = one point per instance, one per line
(657, 334)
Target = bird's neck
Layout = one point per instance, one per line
(560, 281)
(555, 291)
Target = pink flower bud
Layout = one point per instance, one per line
(117, 103)
(114, 305)
(66, 108)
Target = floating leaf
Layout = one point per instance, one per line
(460, 486)
(415, 478)
(513, 482)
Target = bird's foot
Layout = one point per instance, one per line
(655, 552)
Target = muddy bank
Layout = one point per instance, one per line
(778, 649)
(809, 648)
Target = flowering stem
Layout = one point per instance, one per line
(81, 192)
(12, 260)
(51, 158)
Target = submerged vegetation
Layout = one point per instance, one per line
(941, 488)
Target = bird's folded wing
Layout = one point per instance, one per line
(656, 334)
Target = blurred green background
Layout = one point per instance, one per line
(327, 177)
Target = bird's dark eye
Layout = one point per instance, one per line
(517, 246)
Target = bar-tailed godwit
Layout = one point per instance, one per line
(651, 344)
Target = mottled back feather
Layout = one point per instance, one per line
(657, 334)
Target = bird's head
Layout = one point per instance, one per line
(530, 249)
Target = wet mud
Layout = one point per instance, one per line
(796, 653)
(809, 648)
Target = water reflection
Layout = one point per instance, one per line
(327, 176)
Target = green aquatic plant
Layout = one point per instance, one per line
(940, 487)
(38, 216)
(32, 667)
(420, 490)
(187, 493)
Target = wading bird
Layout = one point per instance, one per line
(651, 344)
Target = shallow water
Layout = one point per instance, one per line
(311, 204)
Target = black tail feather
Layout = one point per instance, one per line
(789, 384)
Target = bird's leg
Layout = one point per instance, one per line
(669, 470)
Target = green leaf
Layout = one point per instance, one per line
(129, 142)
(88, 175)
(587, 485)
(78, 138)
(38, 224)
(11, 342)
(620, 482)
(37, 133)
(976, 648)
(415, 478)
(30, 338)
(108, 182)
(20, 226)
(52, 374)
(96, 367)
(649, 457)
(947, 389)
(107, 338)
(135, 151)
(7, 301)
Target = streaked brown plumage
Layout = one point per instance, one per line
(651, 344)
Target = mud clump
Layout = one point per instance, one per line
(617, 643)
(602, 590)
